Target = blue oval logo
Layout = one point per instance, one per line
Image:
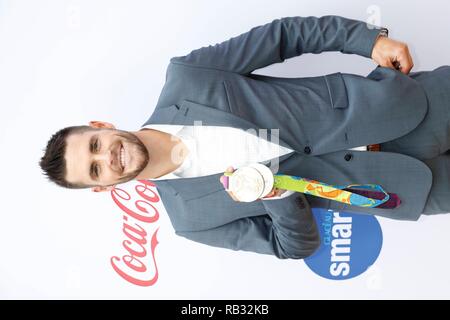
(351, 243)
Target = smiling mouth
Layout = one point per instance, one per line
(121, 158)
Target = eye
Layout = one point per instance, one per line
(96, 147)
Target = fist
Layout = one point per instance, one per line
(392, 54)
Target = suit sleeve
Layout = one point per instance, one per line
(287, 231)
(282, 39)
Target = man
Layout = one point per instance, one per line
(320, 120)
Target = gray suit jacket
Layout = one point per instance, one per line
(318, 117)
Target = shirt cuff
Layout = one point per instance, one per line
(287, 193)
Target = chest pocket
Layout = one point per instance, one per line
(337, 90)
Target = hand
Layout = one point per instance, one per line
(229, 169)
(275, 191)
(392, 54)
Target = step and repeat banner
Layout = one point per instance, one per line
(350, 261)
(350, 243)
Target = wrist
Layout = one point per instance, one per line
(276, 192)
(382, 35)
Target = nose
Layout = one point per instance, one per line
(106, 157)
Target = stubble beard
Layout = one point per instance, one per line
(140, 154)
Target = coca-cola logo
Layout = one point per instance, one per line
(138, 264)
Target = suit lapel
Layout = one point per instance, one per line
(191, 113)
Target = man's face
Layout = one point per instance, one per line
(104, 157)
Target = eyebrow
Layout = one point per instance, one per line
(91, 150)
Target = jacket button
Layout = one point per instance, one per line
(307, 150)
(348, 157)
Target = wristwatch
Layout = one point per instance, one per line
(384, 32)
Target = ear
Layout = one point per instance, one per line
(101, 124)
(102, 189)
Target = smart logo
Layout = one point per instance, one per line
(351, 243)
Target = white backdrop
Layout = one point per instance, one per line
(67, 62)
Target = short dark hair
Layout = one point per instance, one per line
(53, 163)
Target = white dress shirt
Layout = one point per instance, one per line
(214, 148)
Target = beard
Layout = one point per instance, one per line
(139, 153)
